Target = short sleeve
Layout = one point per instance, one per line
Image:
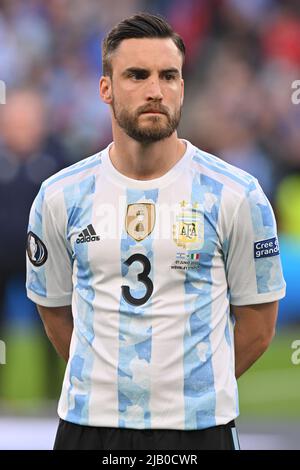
(253, 265)
(48, 259)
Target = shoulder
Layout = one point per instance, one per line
(70, 176)
(232, 179)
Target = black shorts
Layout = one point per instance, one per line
(72, 436)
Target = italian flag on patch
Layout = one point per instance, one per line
(194, 256)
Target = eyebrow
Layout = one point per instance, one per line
(140, 69)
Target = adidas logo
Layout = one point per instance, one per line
(88, 235)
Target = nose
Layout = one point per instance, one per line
(154, 90)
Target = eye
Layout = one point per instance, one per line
(170, 76)
(138, 75)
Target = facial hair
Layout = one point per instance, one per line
(158, 128)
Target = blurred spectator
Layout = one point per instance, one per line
(281, 36)
(28, 155)
(191, 19)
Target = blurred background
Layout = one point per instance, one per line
(242, 58)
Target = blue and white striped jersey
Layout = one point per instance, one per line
(151, 268)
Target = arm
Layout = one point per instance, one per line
(58, 323)
(253, 332)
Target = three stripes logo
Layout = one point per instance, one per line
(88, 235)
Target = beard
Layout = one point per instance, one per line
(156, 128)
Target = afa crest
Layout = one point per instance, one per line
(188, 230)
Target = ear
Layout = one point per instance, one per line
(105, 89)
(182, 91)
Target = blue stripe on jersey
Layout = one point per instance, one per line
(230, 340)
(37, 277)
(237, 408)
(199, 390)
(213, 163)
(268, 270)
(227, 330)
(135, 333)
(229, 333)
(82, 361)
(78, 167)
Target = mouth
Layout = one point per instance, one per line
(152, 112)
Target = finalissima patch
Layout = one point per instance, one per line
(266, 248)
(36, 250)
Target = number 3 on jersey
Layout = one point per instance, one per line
(141, 277)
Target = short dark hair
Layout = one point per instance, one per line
(141, 25)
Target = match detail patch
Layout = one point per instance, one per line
(36, 250)
(266, 248)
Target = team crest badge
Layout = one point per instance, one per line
(36, 250)
(188, 230)
(140, 220)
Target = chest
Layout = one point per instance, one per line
(131, 232)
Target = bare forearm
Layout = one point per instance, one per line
(58, 324)
(253, 332)
(247, 350)
(61, 339)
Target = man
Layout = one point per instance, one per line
(146, 244)
(27, 155)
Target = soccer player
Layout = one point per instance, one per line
(157, 272)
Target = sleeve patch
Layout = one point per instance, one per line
(266, 248)
(36, 250)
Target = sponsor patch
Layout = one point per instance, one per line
(266, 248)
(36, 250)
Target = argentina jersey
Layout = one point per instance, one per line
(150, 268)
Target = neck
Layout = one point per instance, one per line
(144, 162)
